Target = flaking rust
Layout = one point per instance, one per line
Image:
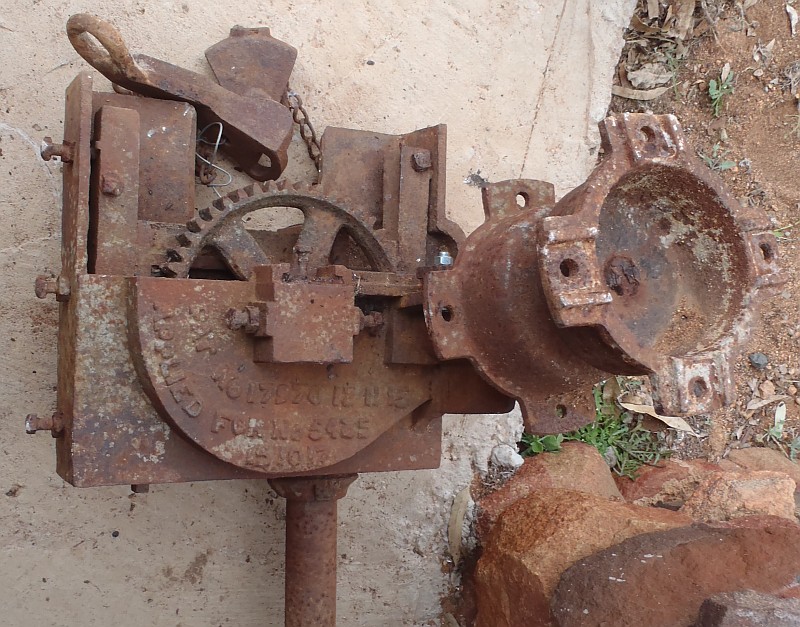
(194, 348)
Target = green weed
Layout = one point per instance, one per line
(718, 90)
(717, 161)
(617, 434)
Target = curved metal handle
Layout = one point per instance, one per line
(112, 57)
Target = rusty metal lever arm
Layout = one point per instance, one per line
(253, 127)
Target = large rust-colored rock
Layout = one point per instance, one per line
(539, 537)
(577, 466)
(662, 578)
(672, 481)
(727, 495)
(762, 458)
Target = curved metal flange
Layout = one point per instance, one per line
(656, 256)
(489, 308)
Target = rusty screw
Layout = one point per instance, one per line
(51, 150)
(421, 160)
(45, 285)
(247, 319)
(34, 423)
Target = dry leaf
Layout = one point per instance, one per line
(638, 94)
(649, 75)
(792, 18)
(780, 416)
(456, 524)
(671, 421)
(639, 26)
(684, 22)
(726, 71)
(759, 403)
(653, 10)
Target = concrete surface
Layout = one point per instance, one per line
(520, 85)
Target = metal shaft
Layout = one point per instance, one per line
(311, 528)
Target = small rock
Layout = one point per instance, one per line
(767, 389)
(759, 361)
(792, 390)
(762, 458)
(506, 457)
(748, 608)
(577, 466)
(727, 495)
(662, 578)
(539, 537)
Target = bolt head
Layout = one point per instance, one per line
(421, 160)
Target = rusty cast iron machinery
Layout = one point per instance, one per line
(193, 346)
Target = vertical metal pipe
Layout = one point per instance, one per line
(311, 529)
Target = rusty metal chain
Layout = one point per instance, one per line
(300, 116)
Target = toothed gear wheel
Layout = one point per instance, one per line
(220, 226)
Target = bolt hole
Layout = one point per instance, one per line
(767, 251)
(568, 267)
(698, 387)
(522, 200)
(446, 313)
(647, 134)
(561, 411)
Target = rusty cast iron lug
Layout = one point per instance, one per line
(252, 126)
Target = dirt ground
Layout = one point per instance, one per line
(754, 143)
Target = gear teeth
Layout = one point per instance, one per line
(194, 226)
(184, 240)
(174, 255)
(167, 271)
(238, 195)
(208, 219)
(223, 204)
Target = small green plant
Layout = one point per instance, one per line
(777, 435)
(717, 161)
(534, 444)
(617, 434)
(719, 89)
(782, 232)
(674, 64)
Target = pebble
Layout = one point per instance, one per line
(759, 361)
(767, 389)
(505, 456)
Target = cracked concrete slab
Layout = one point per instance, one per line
(521, 87)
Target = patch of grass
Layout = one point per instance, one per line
(674, 63)
(718, 90)
(717, 161)
(617, 434)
